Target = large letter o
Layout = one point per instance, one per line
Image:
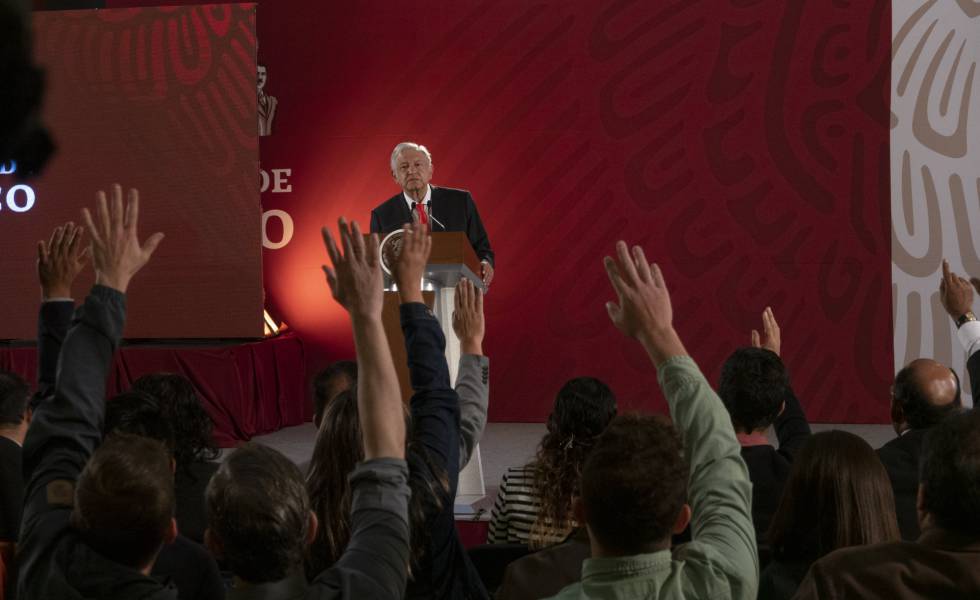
(28, 198)
(287, 229)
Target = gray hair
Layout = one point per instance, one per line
(408, 146)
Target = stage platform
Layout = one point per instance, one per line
(510, 444)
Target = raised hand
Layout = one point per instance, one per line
(644, 311)
(955, 293)
(60, 259)
(770, 331)
(116, 250)
(416, 246)
(355, 278)
(468, 321)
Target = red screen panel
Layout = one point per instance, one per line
(162, 100)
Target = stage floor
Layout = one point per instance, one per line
(511, 444)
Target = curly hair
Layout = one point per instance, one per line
(754, 385)
(583, 408)
(337, 451)
(180, 404)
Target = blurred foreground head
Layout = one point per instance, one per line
(22, 137)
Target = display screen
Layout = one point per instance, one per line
(162, 100)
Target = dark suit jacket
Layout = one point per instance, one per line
(11, 490)
(453, 208)
(769, 468)
(545, 572)
(941, 564)
(901, 459)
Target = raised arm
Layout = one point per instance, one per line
(956, 294)
(792, 428)
(473, 376)
(719, 490)
(356, 283)
(376, 558)
(67, 428)
(435, 404)
(59, 260)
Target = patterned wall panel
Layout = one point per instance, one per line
(935, 169)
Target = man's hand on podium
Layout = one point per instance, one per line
(486, 273)
(355, 278)
(416, 246)
(468, 322)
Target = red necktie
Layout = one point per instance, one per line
(420, 209)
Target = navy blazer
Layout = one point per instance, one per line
(451, 209)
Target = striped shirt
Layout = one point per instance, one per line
(516, 509)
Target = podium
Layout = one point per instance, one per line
(452, 259)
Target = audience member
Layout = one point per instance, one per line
(639, 477)
(338, 377)
(756, 390)
(924, 393)
(956, 294)
(562, 562)
(442, 569)
(15, 417)
(187, 564)
(95, 517)
(260, 521)
(837, 496)
(945, 561)
(338, 445)
(534, 501)
(194, 448)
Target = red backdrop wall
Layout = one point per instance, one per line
(742, 143)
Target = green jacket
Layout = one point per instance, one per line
(721, 561)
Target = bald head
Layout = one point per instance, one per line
(925, 392)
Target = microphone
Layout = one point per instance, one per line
(433, 217)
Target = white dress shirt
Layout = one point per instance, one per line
(969, 335)
(426, 199)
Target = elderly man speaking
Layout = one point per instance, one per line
(443, 209)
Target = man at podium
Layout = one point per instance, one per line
(442, 209)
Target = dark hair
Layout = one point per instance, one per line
(259, 511)
(950, 473)
(181, 406)
(634, 484)
(137, 413)
(918, 408)
(583, 408)
(15, 396)
(22, 137)
(838, 494)
(753, 386)
(337, 451)
(324, 388)
(124, 499)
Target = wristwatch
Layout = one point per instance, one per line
(965, 318)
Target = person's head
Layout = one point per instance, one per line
(338, 449)
(634, 487)
(15, 405)
(138, 413)
(838, 494)
(754, 386)
(924, 393)
(263, 76)
(411, 166)
(583, 408)
(949, 475)
(124, 500)
(259, 518)
(181, 406)
(337, 377)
